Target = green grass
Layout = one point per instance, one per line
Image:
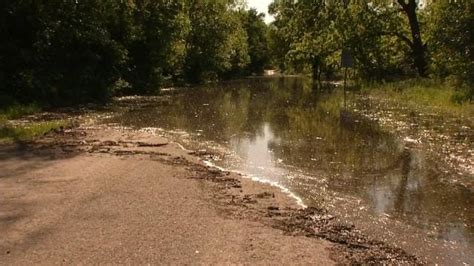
(426, 94)
(17, 111)
(15, 133)
(12, 132)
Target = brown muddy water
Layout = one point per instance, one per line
(279, 130)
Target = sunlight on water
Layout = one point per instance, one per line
(284, 132)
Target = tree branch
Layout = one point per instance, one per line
(400, 36)
(403, 4)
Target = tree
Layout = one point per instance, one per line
(417, 46)
(157, 28)
(318, 30)
(278, 48)
(216, 44)
(372, 32)
(59, 51)
(256, 30)
(278, 33)
(451, 40)
(309, 27)
(68, 52)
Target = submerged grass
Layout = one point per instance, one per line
(430, 95)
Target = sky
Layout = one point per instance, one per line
(262, 7)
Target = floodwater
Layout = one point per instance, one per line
(280, 130)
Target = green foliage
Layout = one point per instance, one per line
(257, 34)
(451, 40)
(278, 48)
(317, 31)
(62, 52)
(58, 51)
(389, 40)
(370, 33)
(216, 42)
(156, 27)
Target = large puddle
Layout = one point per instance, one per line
(279, 130)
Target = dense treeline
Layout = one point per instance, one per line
(388, 39)
(72, 51)
(62, 52)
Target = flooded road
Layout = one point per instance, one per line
(281, 131)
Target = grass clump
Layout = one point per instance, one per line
(17, 133)
(17, 111)
(423, 93)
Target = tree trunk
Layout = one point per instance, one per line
(315, 68)
(417, 46)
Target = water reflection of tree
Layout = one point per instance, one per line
(316, 134)
(311, 133)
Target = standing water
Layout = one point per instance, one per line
(279, 130)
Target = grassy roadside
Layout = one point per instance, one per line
(429, 95)
(13, 132)
(17, 111)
